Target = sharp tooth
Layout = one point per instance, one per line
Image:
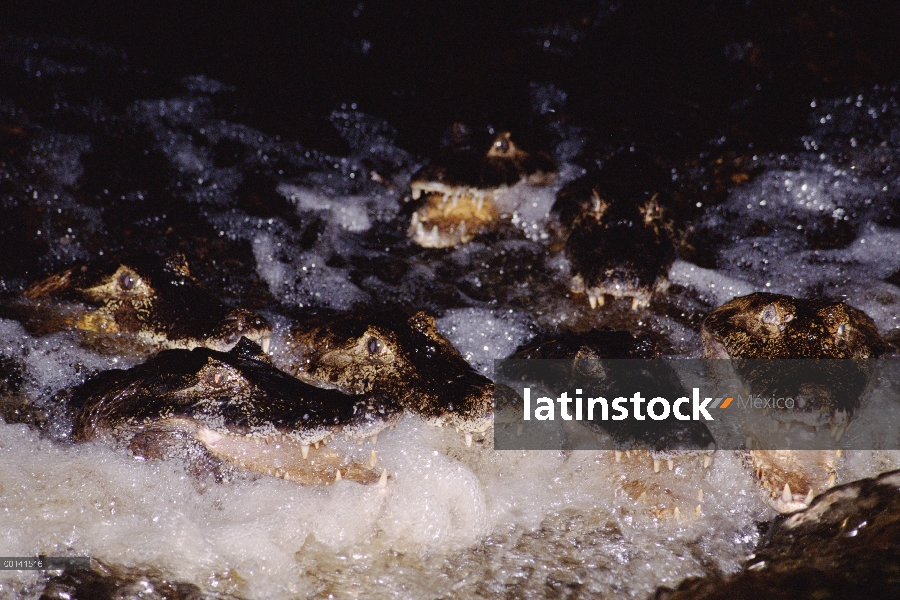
(455, 200)
(618, 456)
(264, 344)
(831, 480)
(593, 300)
(316, 445)
(444, 198)
(462, 229)
(809, 497)
(415, 218)
(699, 495)
(468, 440)
(373, 459)
(420, 230)
(480, 203)
(677, 514)
(635, 306)
(838, 452)
(628, 453)
(786, 495)
(840, 433)
(707, 460)
(655, 465)
(697, 509)
(833, 429)
(304, 450)
(337, 476)
(416, 193)
(519, 429)
(671, 464)
(382, 481)
(374, 439)
(434, 232)
(601, 300)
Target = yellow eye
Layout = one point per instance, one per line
(127, 281)
(769, 315)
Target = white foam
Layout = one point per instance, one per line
(442, 498)
(720, 287)
(349, 211)
(483, 335)
(306, 280)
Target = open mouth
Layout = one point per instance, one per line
(282, 456)
(451, 215)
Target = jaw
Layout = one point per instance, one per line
(634, 289)
(791, 478)
(284, 457)
(274, 455)
(453, 217)
(103, 321)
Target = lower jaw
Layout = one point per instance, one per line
(284, 457)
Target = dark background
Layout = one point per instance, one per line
(673, 74)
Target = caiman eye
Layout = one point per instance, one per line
(373, 346)
(127, 281)
(502, 145)
(214, 376)
(769, 315)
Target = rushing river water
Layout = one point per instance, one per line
(99, 156)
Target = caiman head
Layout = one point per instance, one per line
(154, 299)
(459, 188)
(620, 237)
(234, 405)
(400, 355)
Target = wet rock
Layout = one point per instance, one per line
(845, 545)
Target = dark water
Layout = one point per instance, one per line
(675, 73)
(166, 127)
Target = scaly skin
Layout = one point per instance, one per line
(234, 406)
(621, 230)
(154, 300)
(397, 355)
(458, 190)
(761, 326)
